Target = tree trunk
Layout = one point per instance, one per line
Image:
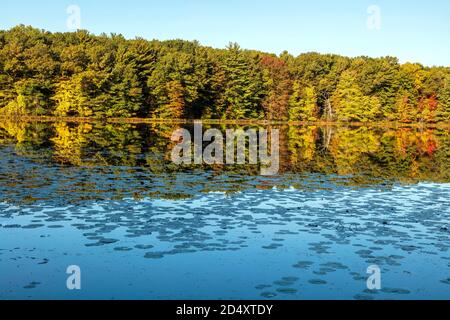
(328, 110)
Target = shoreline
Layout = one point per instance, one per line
(381, 124)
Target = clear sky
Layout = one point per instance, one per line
(413, 30)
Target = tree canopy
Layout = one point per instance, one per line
(84, 75)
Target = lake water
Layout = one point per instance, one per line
(107, 198)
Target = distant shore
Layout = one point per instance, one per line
(383, 124)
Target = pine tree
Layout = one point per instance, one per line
(303, 104)
(443, 111)
(243, 87)
(350, 103)
(175, 107)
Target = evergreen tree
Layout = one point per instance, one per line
(351, 104)
(443, 112)
(303, 104)
(243, 87)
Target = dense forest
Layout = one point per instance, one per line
(84, 75)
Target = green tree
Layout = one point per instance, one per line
(303, 104)
(243, 88)
(82, 95)
(350, 103)
(443, 112)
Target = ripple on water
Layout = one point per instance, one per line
(395, 291)
(339, 216)
(268, 295)
(287, 291)
(303, 265)
(123, 249)
(144, 246)
(32, 285)
(363, 297)
(154, 255)
(317, 282)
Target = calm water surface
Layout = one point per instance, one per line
(107, 198)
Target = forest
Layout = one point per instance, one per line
(79, 74)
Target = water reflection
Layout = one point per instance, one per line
(108, 196)
(134, 160)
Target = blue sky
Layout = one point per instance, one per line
(415, 31)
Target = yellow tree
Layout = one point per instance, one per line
(405, 110)
(303, 103)
(351, 104)
(175, 108)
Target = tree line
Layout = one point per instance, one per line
(83, 75)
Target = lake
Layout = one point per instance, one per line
(107, 198)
